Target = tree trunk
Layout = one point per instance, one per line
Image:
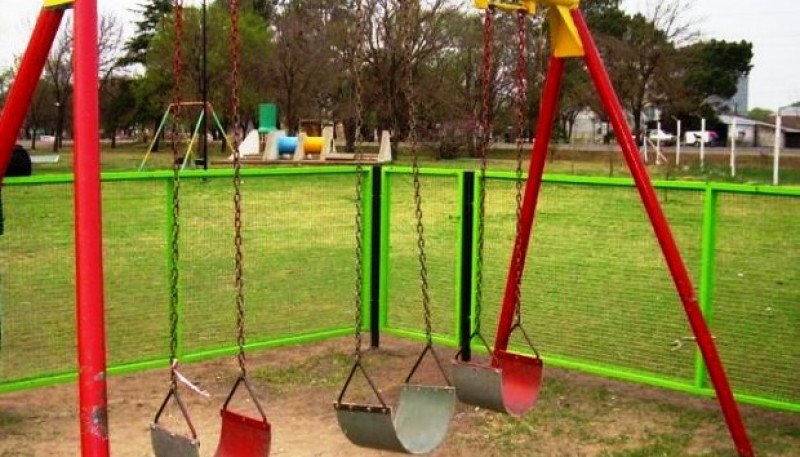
(350, 135)
(157, 139)
(60, 115)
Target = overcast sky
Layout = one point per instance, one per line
(773, 27)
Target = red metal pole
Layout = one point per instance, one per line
(25, 82)
(544, 130)
(89, 236)
(680, 275)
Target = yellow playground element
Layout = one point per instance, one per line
(563, 32)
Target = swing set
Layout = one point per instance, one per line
(174, 111)
(240, 435)
(508, 383)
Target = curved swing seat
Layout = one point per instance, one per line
(169, 444)
(417, 427)
(509, 385)
(243, 436)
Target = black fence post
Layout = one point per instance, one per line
(375, 256)
(467, 254)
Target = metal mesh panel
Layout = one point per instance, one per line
(134, 257)
(596, 287)
(298, 252)
(440, 216)
(37, 295)
(756, 315)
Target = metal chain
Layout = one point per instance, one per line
(484, 124)
(177, 77)
(237, 187)
(407, 41)
(521, 95)
(356, 72)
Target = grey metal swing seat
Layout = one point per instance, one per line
(418, 425)
(166, 443)
(169, 444)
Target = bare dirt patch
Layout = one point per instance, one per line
(577, 415)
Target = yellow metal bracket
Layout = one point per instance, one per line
(563, 33)
(529, 6)
(58, 4)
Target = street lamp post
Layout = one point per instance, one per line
(204, 138)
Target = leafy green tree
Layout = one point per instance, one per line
(154, 89)
(117, 106)
(151, 14)
(703, 76)
(715, 67)
(761, 114)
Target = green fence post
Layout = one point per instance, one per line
(386, 220)
(708, 268)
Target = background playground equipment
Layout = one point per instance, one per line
(187, 156)
(267, 118)
(280, 147)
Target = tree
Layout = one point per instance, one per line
(58, 68)
(152, 14)
(300, 70)
(761, 114)
(154, 89)
(6, 79)
(118, 106)
(645, 49)
(703, 77)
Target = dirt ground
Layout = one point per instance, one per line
(577, 415)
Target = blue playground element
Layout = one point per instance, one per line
(287, 145)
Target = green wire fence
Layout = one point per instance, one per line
(597, 296)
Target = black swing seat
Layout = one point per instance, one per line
(169, 444)
(509, 385)
(417, 427)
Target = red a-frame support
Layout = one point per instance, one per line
(571, 38)
(87, 200)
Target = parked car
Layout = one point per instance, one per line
(695, 137)
(660, 136)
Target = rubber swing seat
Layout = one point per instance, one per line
(243, 436)
(510, 385)
(417, 427)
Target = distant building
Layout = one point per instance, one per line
(752, 133)
(739, 104)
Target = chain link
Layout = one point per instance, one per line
(177, 79)
(407, 40)
(237, 186)
(484, 125)
(355, 69)
(521, 96)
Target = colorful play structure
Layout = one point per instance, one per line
(507, 382)
(315, 149)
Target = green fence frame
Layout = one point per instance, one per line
(54, 378)
(711, 192)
